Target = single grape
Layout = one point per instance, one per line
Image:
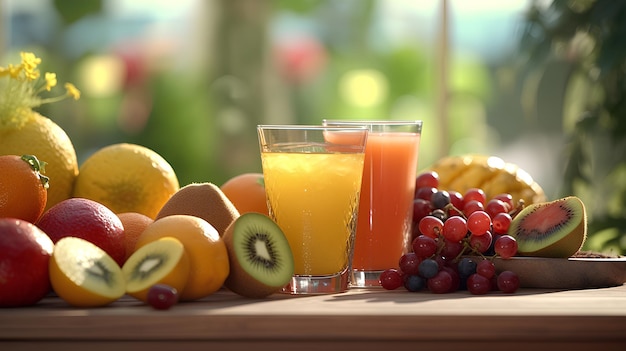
(391, 279)
(508, 282)
(505, 246)
(451, 249)
(441, 283)
(480, 243)
(466, 267)
(455, 228)
(431, 226)
(162, 296)
(478, 284)
(409, 263)
(475, 194)
(472, 206)
(507, 199)
(456, 200)
(440, 199)
(424, 246)
(414, 283)
(456, 279)
(501, 223)
(495, 206)
(479, 222)
(421, 209)
(486, 268)
(425, 193)
(427, 179)
(428, 268)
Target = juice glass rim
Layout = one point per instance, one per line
(375, 125)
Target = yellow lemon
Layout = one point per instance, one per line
(38, 135)
(127, 178)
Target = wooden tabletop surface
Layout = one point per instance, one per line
(590, 319)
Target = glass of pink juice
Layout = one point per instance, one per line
(387, 191)
(312, 179)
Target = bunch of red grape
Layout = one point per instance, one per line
(455, 238)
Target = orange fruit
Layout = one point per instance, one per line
(134, 224)
(86, 219)
(83, 275)
(23, 189)
(26, 132)
(247, 192)
(209, 266)
(127, 178)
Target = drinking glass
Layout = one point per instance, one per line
(386, 203)
(313, 179)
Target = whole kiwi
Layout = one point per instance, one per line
(205, 200)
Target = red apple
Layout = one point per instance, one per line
(25, 253)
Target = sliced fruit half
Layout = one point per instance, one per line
(84, 275)
(261, 261)
(163, 261)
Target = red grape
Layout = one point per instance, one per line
(456, 199)
(479, 222)
(424, 246)
(409, 264)
(475, 194)
(501, 223)
(427, 179)
(481, 243)
(441, 283)
(486, 268)
(507, 199)
(508, 282)
(495, 206)
(162, 296)
(431, 226)
(455, 228)
(391, 279)
(478, 284)
(505, 246)
(471, 207)
(451, 249)
(425, 193)
(421, 209)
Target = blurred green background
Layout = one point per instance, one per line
(538, 83)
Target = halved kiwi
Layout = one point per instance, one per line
(84, 275)
(261, 261)
(163, 261)
(550, 229)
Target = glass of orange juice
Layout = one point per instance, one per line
(387, 191)
(313, 179)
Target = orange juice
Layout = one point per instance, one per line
(385, 209)
(314, 197)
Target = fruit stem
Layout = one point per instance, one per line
(39, 167)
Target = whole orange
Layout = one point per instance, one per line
(88, 220)
(247, 192)
(23, 189)
(209, 265)
(134, 224)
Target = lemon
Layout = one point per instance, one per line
(127, 178)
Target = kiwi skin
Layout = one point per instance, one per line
(205, 200)
(243, 281)
(560, 244)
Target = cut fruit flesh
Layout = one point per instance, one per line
(84, 275)
(163, 261)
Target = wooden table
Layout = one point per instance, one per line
(375, 319)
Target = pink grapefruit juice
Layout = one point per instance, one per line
(386, 205)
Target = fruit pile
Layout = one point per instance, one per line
(456, 237)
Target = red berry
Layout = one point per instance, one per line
(424, 246)
(425, 193)
(471, 207)
(508, 282)
(391, 279)
(481, 243)
(409, 263)
(427, 179)
(431, 226)
(479, 222)
(455, 228)
(486, 268)
(501, 223)
(162, 297)
(495, 206)
(441, 283)
(505, 246)
(478, 284)
(475, 194)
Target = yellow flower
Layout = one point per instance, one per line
(72, 91)
(51, 80)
